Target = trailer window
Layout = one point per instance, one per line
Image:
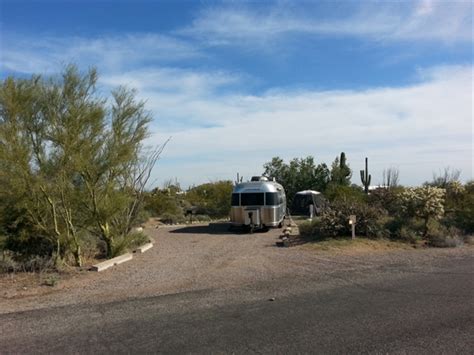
(271, 198)
(252, 199)
(235, 200)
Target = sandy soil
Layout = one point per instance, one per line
(209, 257)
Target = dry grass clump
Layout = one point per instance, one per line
(358, 245)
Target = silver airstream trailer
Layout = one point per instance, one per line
(259, 203)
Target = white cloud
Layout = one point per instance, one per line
(218, 129)
(180, 97)
(110, 53)
(438, 21)
(419, 128)
(172, 80)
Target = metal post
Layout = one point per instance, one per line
(352, 222)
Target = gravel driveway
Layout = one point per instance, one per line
(208, 257)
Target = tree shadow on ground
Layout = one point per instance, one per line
(214, 229)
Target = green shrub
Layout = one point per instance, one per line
(159, 202)
(424, 202)
(407, 234)
(51, 280)
(460, 207)
(142, 217)
(29, 244)
(405, 229)
(201, 218)
(334, 221)
(311, 229)
(212, 199)
(11, 262)
(468, 239)
(441, 236)
(128, 243)
(387, 199)
(369, 219)
(8, 264)
(169, 218)
(347, 194)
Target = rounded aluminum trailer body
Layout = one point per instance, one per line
(258, 204)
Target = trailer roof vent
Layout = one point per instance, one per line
(259, 178)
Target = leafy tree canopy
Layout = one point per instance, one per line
(297, 175)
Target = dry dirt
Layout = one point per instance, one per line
(209, 257)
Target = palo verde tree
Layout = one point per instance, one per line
(73, 164)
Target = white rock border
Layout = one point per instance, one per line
(111, 262)
(143, 248)
(120, 259)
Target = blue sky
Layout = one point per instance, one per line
(236, 83)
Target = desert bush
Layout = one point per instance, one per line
(39, 264)
(347, 194)
(201, 218)
(407, 229)
(92, 247)
(169, 218)
(445, 241)
(443, 237)
(386, 198)
(311, 228)
(51, 279)
(142, 217)
(468, 239)
(160, 201)
(334, 221)
(370, 220)
(212, 199)
(408, 234)
(424, 202)
(27, 243)
(460, 207)
(128, 243)
(8, 264)
(11, 262)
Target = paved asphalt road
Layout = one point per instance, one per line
(413, 312)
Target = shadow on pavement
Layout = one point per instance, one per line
(212, 228)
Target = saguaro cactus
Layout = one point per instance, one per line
(344, 169)
(365, 177)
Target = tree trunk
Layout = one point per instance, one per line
(77, 253)
(57, 257)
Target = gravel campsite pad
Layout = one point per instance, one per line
(210, 257)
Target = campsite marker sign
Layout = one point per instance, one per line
(352, 222)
